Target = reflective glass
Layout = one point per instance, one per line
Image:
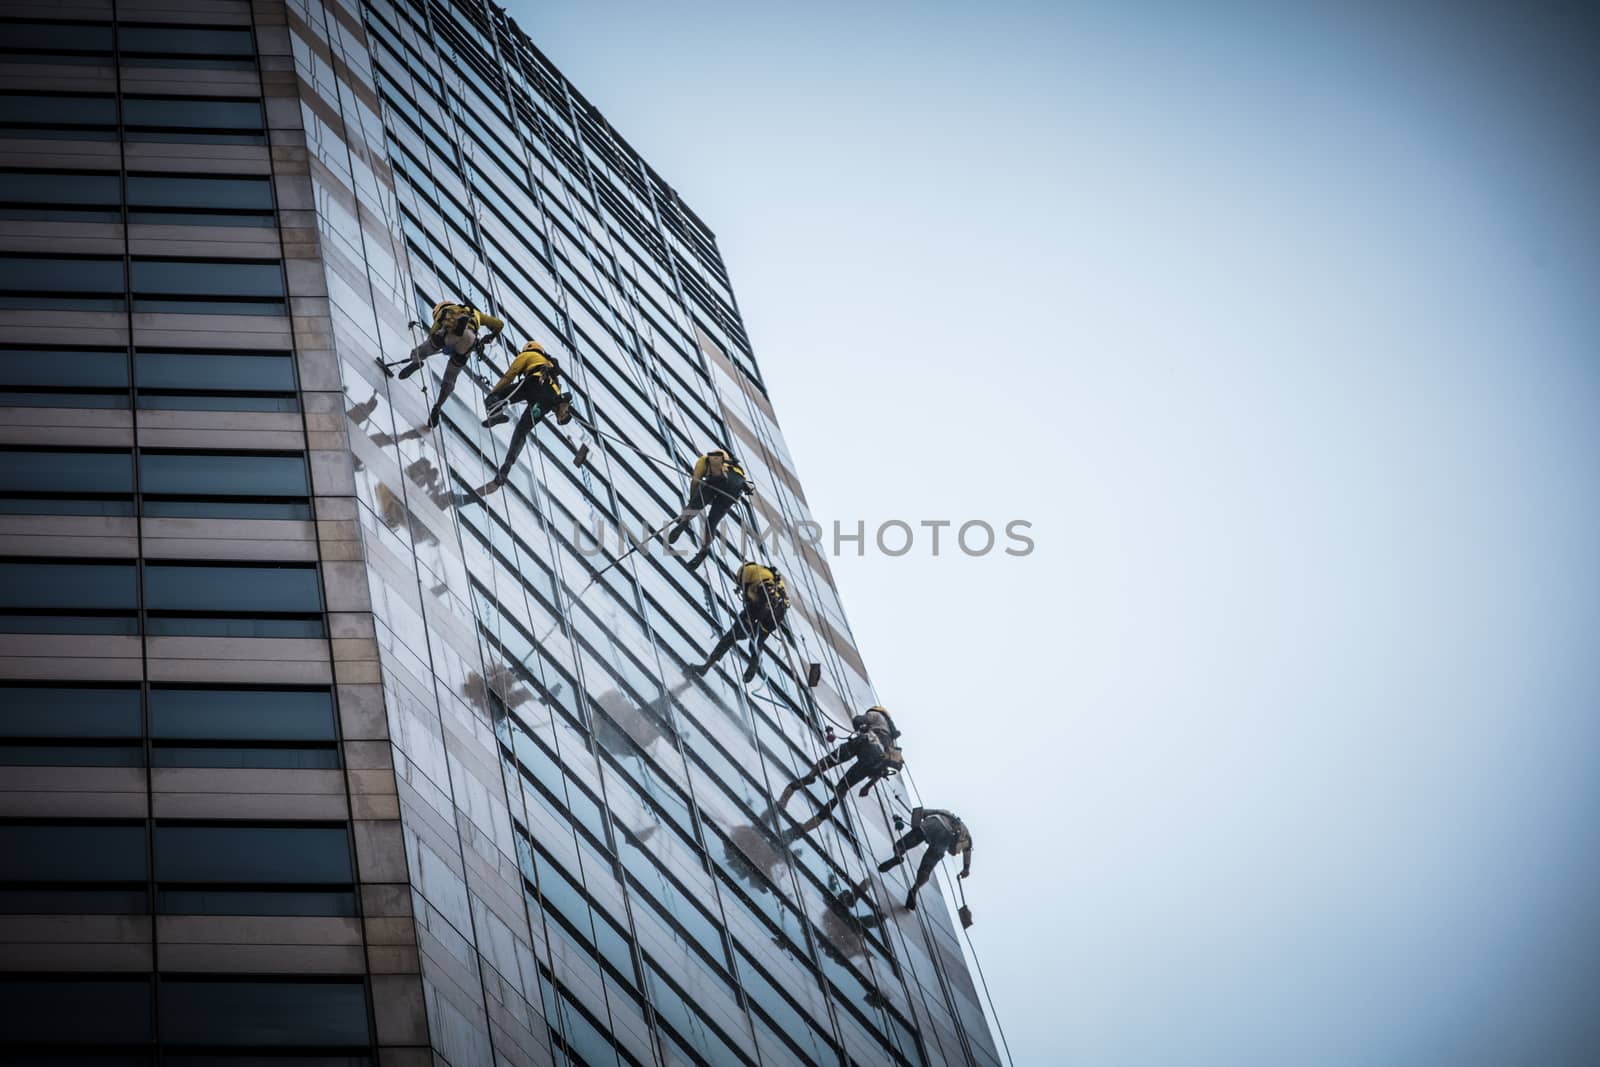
(183, 191)
(60, 275)
(29, 471)
(266, 1013)
(57, 109)
(223, 588)
(89, 1011)
(59, 189)
(72, 852)
(65, 586)
(20, 36)
(242, 714)
(184, 40)
(219, 371)
(266, 854)
(61, 711)
(184, 112)
(223, 474)
(199, 278)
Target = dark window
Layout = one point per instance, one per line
(243, 728)
(42, 481)
(91, 116)
(214, 201)
(245, 485)
(41, 376)
(233, 600)
(51, 596)
(186, 46)
(208, 286)
(86, 283)
(72, 867)
(44, 1009)
(266, 855)
(302, 1012)
(60, 195)
(54, 42)
(70, 726)
(231, 381)
(189, 118)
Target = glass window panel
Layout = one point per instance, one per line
(61, 274)
(206, 278)
(185, 40)
(72, 852)
(80, 1011)
(195, 370)
(57, 109)
(255, 902)
(223, 588)
(48, 584)
(60, 188)
(242, 714)
(58, 711)
(184, 112)
(55, 900)
(173, 191)
(19, 36)
(287, 756)
(47, 471)
(63, 368)
(303, 1013)
(226, 474)
(283, 854)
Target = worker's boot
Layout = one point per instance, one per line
(911, 899)
(698, 558)
(891, 863)
(433, 417)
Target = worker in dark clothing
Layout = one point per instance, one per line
(532, 379)
(766, 601)
(944, 834)
(876, 756)
(455, 329)
(718, 482)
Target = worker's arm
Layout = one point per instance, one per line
(512, 373)
(492, 324)
(699, 472)
(966, 860)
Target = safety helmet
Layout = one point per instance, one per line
(535, 346)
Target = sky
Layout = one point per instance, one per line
(1280, 325)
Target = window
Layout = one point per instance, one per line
(220, 287)
(81, 597)
(242, 728)
(243, 869)
(74, 196)
(83, 283)
(242, 485)
(79, 116)
(171, 198)
(52, 1009)
(186, 46)
(47, 376)
(301, 1012)
(65, 481)
(54, 42)
(64, 726)
(216, 381)
(60, 867)
(193, 118)
(233, 600)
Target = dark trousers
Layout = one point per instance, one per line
(938, 847)
(540, 398)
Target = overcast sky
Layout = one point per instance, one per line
(1281, 324)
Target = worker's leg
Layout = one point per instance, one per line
(858, 771)
(719, 508)
(908, 841)
(755, 655)
(432, 343)
(447, 386)
(680, 525)
(930, 860)
(827, 762)
(727, 642)
(519, 437)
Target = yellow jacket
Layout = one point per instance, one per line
(445, 314)
(715, 463)
(530, 361)
(762, 585)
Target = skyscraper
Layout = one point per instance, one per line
(310, 752)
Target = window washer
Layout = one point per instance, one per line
(876, 756)
(532, 380)
(455, 329)
(766, 602)
(718, 481)
(944, 834)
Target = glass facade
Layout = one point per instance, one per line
(362, 727)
